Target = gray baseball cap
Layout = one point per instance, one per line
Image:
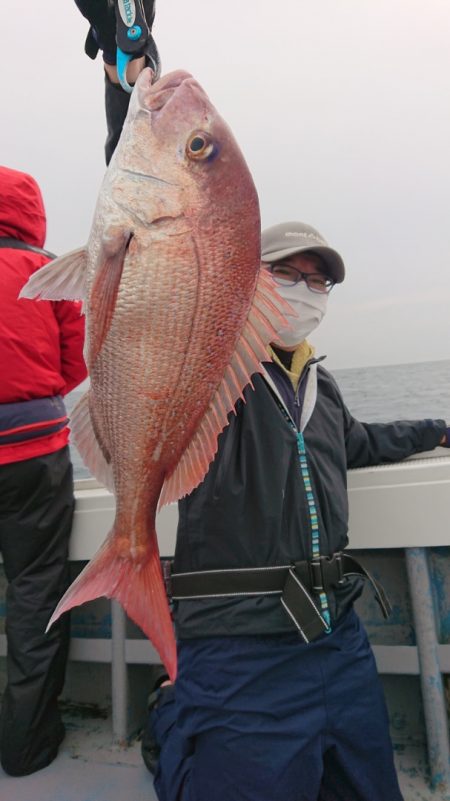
(285, 239)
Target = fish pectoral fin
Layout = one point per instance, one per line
(60, 279)
(139, 588)
(102, 302)
(93, 453)
(265, 317)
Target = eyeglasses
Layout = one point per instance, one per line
(286, 275)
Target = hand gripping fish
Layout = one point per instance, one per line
(178, 318)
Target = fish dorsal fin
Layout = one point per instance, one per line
(264, 319)
(60, 279)
(86, 441)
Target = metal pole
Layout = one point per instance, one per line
(436, 721)
(119, 680)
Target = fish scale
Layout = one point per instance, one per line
(178, 315)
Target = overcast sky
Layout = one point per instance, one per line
(342, 110)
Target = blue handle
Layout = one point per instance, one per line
(123, 59)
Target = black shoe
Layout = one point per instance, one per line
(18, 762)
(150, 748)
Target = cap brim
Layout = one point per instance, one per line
(332, 259)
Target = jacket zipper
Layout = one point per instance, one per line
(306, 479)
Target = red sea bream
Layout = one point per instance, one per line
(178, 317)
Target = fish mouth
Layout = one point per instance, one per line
(153, 97)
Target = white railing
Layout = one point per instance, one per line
(403, 505)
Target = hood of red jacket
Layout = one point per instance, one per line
(22, 213)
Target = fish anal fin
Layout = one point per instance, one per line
(139, 588)
(92, 451)
(60, 279)
(265, 317)
(102, 301)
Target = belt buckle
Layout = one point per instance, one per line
(336, 559)
(320, 568)
(315, 569)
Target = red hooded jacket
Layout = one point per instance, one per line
(41, 342)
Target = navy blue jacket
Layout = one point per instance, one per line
(251, 509)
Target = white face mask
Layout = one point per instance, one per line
(309, 307)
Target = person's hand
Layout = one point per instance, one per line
(102, 33)
(445, 440)
(102, 36)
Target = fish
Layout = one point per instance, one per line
(179, 315)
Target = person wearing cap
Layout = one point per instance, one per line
(277, 696)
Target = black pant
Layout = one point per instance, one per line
(36, 510)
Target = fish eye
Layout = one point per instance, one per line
(199, 146)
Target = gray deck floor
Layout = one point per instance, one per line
(87, 768)
(90, 768)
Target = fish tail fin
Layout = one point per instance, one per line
(139, 588)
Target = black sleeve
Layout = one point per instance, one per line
(377, 443)
(116, 108)
(102, 33)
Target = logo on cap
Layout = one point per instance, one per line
(304, 235)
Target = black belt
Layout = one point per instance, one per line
(293, 583)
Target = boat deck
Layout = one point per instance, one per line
(90, 768)
(390, 522)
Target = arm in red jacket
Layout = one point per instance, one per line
(71, 338)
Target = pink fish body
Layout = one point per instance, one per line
(178, 318)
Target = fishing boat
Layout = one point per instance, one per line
(399, 530)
